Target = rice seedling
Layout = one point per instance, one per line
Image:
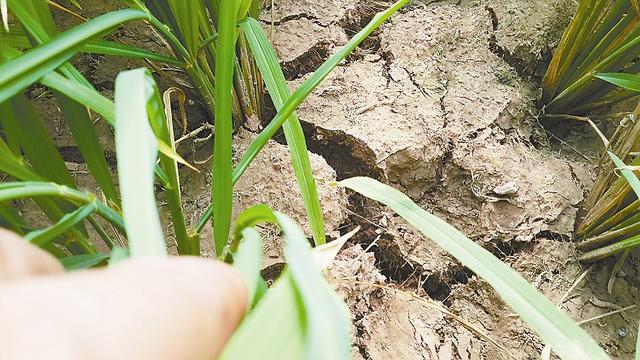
(611, 225)
(192, 36)
(189, 27)
(603, 36)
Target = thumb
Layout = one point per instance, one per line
(154, 308)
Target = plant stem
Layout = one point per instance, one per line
(222, 188)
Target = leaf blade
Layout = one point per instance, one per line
(627, 81)
(554, 326)
(17, 74)
(136, 150)
(222, 186)
(273, 76)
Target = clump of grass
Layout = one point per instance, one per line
(603, 36)
(612, 222)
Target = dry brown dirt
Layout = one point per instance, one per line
(442, 103)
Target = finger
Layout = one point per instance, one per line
(178, 308)
(19, 258)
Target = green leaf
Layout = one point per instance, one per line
(23, 126)
(248, 261)
(35, 189)
(187, 15)
(99, 47)
(104, 47)
(627, 81)
(300, 317)
(86, 137)
(19, 73)
(136, 149)
(309, 85)
(292, 103)
(554, 326)
(250, 217)
(13, 165)
(86, 96)
(162, 128)
(267, 61)
(11, 219)
(44, 236)
(118, 254)
(325, 313)
(222, 187)
(82, 262)
(629, 175)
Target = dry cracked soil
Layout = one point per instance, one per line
(441, 102)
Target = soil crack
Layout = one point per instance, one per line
(294, 17)
(507, 56)
(308, 62)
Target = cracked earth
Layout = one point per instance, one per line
(441, 103)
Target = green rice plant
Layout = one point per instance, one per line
(37, 52)
(603, 36)
(612, 223)
(300, 302)
(189, 28)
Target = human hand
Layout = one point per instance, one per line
(151, 308)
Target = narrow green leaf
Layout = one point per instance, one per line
(37, 21)
(325, 313)
(35, 189)
(85, 136)
(554, 326)
(13, 165)
(99, 47)
(267, 61)
(248, 261)
(104, 47)
(243, 8)
(627, 81)
(629, 175)
(309, 85)
(11, 219)
(23, 127)
(118, 254)
(222, 187)
(136, 148)
(17, 74)
(82, 262)
(162, 128)
(300, 317)
(44, 236)
(86, 96)
(275, 329)
(294, 101)
(250, 217)
(187, 15)
(22, 124)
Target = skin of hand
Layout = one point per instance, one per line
(149, 308)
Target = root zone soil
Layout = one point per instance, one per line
(441, 102)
